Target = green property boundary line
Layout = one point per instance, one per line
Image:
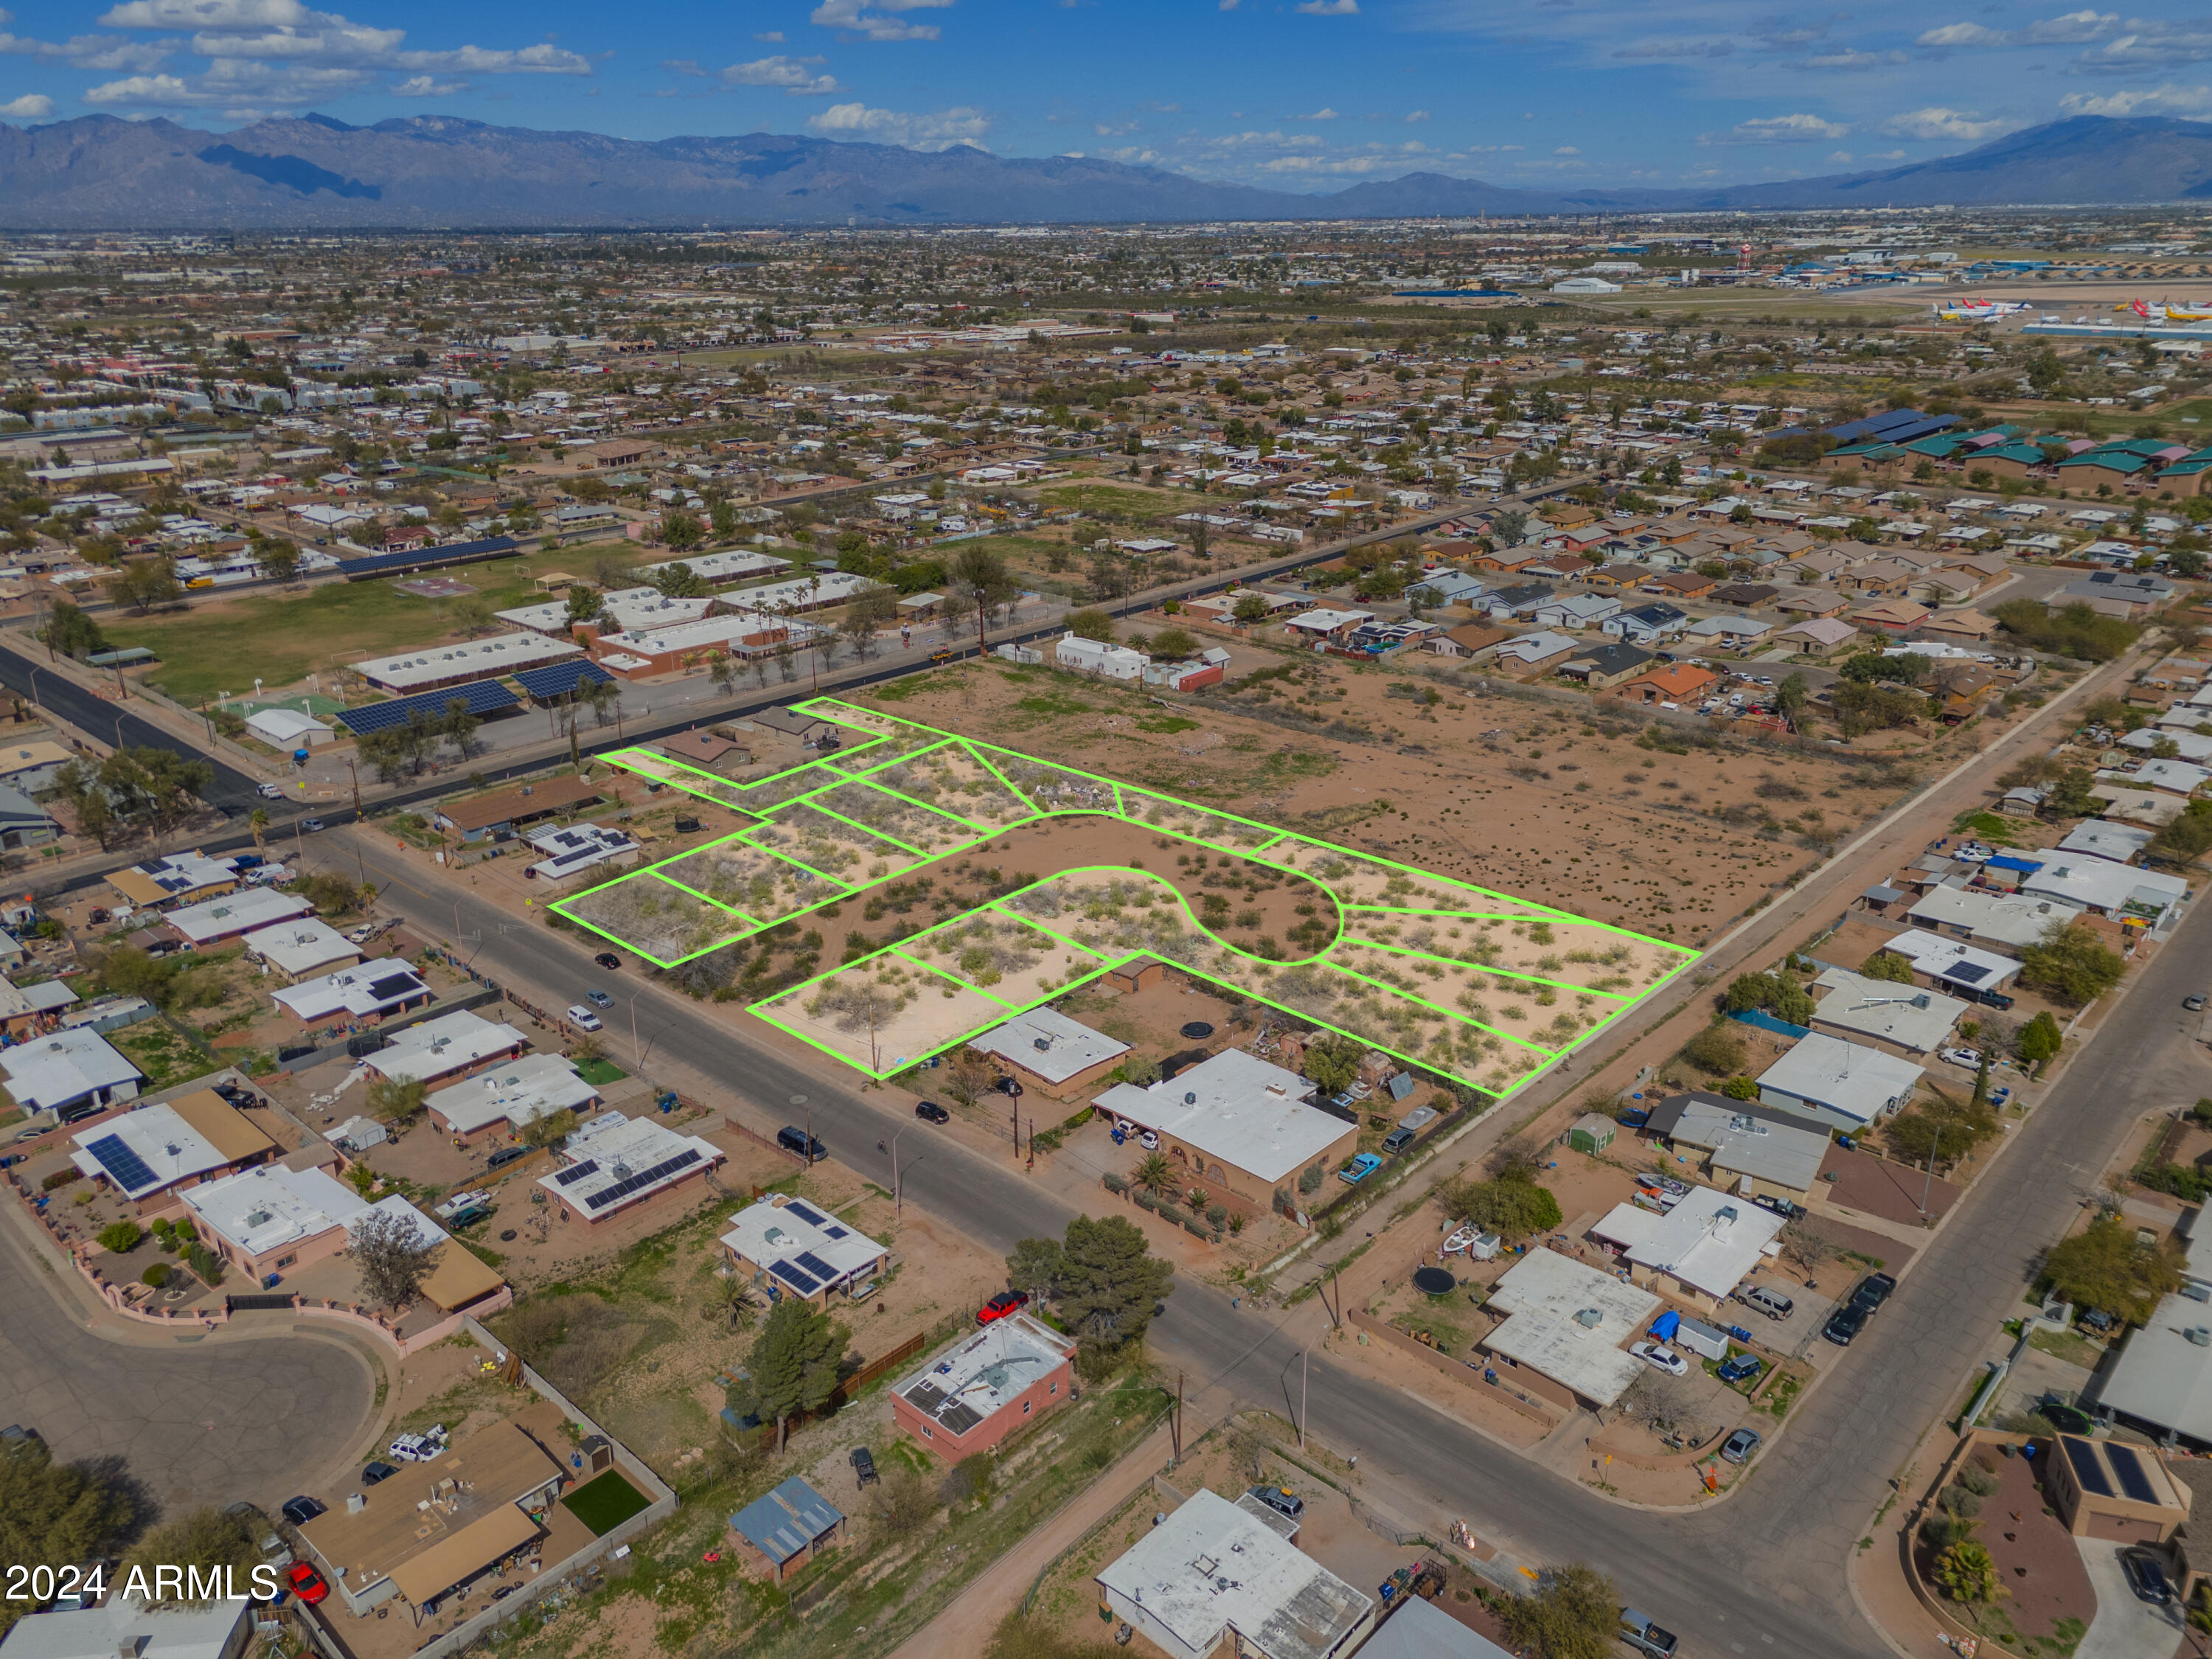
(1343, 941)
(891, 846)
(756, 925)
(1127, 801)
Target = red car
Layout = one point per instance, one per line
(1000, 1305)
(306, 1583)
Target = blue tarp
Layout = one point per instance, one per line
(1759, 1019)
(1665, 1325)
(2006, 861)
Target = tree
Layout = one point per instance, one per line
(205, 1538)
(279, 559)
(1510, 1204)
(392, 1255)
(1790, 696)
(1037, 1268)
(54, 1512)
(1509, 528)
(1110, 1283)
(2185, 839)
(1249, 608)
(585, 603)
(794, 1366)
(2040, 1040)
(1090, 624)
(2104, 1267)
(141, 584)
(904, 1502)
(1939, 1129)
(2070, 796)
(69, 632)
(459, 727)
(2072, 963)
(678, 580)
(1863, 708)
(680, 530)
(1779, 995)
(968, 1075)
(1717, 1051)
(1174, 643)
(395, 1099)
(1967, 1575)
(1886, 965)
(1575, 1614)
(552, 1126)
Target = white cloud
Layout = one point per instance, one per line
(796, 76)
(1938, 122)
(1850, 58)
(143, 91)
(941, 130)
(31, 107)
(2153, 100)
(772, 37)
(1322, 114)
(1800, 129)
(426, 86)
(231, 15)
(1228, 5)
(1841, 156)
(1418, 115)
(2074, 29)
(853, 17)
(1329, 8)
(1566, 149)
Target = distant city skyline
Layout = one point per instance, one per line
(1292, 94)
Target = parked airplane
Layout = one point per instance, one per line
(1977, 311)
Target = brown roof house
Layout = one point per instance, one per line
(1061, 1058)
(1467, 639)
(504, 809)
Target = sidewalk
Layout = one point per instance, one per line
(960, 1630)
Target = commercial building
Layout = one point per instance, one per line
(784, 1529)
(150, 1155)
(1215, 1570)
(502, 812)
(1837, 1085)
(68, 1073)
(1696, 1253)
(440, 667)
(508, 1099)
(970, 1399)
(1043, 1050)
(786, 1247)
(1112, 662)
(616, 1162)
(1565, 1330)
(452, 1046)
(1238, 1121)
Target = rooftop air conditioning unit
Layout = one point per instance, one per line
(1041, 1044)
(356, 1503)
(1190, 1096)
(257, 1218)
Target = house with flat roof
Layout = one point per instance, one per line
(32, 767)
(614, 1163)
(286, 729)
(1566, 1330)
(2161, 1383)
(505, 1100)
(126, 1626)
(179, 878)
(1696, 1253)
(450, 1046)
(68, 1073)
(2130, 895)
(1061, 1058)
(302, 949)
(1952, 964)
(237, 914)
(1215, 1570)
(992, 1381)
(1751, 1151)
(1236, 1120)
(24, 1009)
(2002, 922)
(1416, 1630)
(573, 849)
(787, 1247)
(367, 991)
(148, 1155)
(430, 1528)
(500, 810)
(1880, 1013)
(1837, 1084)
(784, 1528)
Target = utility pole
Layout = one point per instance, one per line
(1302, 1399)
(1928, 1181)
(636, 1053)
(1015, 1112)
(1175, 1423)
(898, 1200)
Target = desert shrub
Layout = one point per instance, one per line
(1979, 1480)
(1113, 1183)
(1717, 1051)
(202, 1261)
(1957, 1501)
(59, 1179)
(157, 1275)
(121, 1237)
(1217, 1214)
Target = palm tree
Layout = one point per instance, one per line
(1154, 1173)
(259, 823)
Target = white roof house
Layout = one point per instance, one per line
(1746, 1146)
(1569, 1321)
(1991, 918)
(1112, 662)
(2175, 777)
(2100, 884)
(571, 849)
(780, 1234)
(440, 1048)
(237, 913)
(1843, 1085)
(368, 987)
(145, 1150)
(615, 1162)
(1213, 1568)
(1955, 962)
(521, 1092)
(1236, 1107)
(1535, 647)
(2102, 839)
(301, 947)
(471, 659)
(2163, 1377)
(1049, 1043)
(123, 1625)
(1323, 622)
(1706, 1244)
(48, 995)
(67, 1068)
(287, 727)
(260, 1209)
(1884, 1011)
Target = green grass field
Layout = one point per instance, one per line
(605, 1502)
(1115, 501)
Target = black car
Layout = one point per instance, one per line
(301, 1510)
(864, 1465)
(1006, 1085)
(1873, 1290)
(1282, 1499)
(2145, 1577)
(505, 1156)
(608, 959)
(793, 1138)
(930, 1112)
(376, 1471)
(1845, 1323)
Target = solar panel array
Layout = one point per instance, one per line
(2087, 1469)
(804, 1284)
(2133, 1480)
(629, 1184)
(394, 986)
(811, 1217)
(429, 558)
(959, 1417)
(558, 679)
(479, 696)
(815, 1265)
(834, 1232)
(128, 1170)
(576, 1172)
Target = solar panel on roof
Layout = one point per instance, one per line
(834, 1232)
(815, 1265)
(2129, 1468)
(925, 1395)
(576, 1172)
(429, 558)
(2087, 1469)
(959, 1417)
(479, 696)
(629, 1184)
(812, 1217)
(791, 1276)
(126, 1167)
(394, 984)
(558, 679)
(1967, 973)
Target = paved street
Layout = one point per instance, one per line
(196, 1423)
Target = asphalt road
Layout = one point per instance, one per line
(192, 1424)
(1765, 1569)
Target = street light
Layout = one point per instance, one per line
(898, 1202)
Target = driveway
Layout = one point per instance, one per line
(193, 1423)
(2123, 1628)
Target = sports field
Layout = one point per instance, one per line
(969, 882)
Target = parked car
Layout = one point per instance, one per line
(1008, 1086)
(599, 999)
(1664, 1357)
(2195, 1004)
(2145, 1577)
(930, 1112)
(1969, 1058)
(301, 1510)
(1741, 1368)
(1362, 1165)
(1781, 1207)
(794, 1139)
(999, 1306)
(1739, 1446)
(584, 1019)
(1845, 1323)
(1149, 1141)
(608, 960)
(311, 825)
(864, 1465)
(1282, 1499)
(378, 1471)
(1398, 1139)
(1641, 1631)
(305, 1582)
(270, 791)
(505, 1156)
(1872, 1291)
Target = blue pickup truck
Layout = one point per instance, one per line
(1360, 1167)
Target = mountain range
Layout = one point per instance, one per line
(310, 172)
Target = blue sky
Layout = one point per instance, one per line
(1296, 94)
